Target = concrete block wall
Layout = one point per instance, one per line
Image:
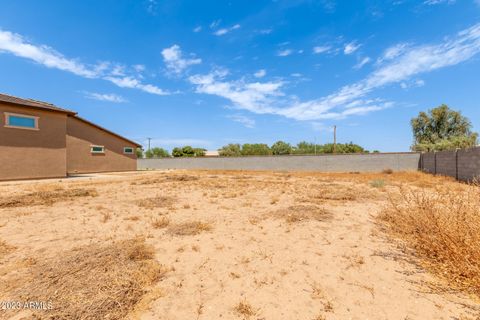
(469, 164)
(447, 163)
(326, 163)
(463, 164)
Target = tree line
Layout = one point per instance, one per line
(438, 129)
(256, 149)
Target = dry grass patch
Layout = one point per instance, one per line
(442, 226)
(92, 282)
(299, 213)
(157, 202)
(47, 197)
(161, 223)
(189, 228)
(182, 177)
(245, 309)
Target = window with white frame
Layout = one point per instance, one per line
(21, 121)
(97, 149)
(128, 150)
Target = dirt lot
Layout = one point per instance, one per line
(215, 245)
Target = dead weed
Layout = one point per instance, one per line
(99, 281)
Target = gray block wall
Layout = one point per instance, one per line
(327, 163)
(447, 163)
(461, 164)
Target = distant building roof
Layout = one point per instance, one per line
(33, 103)
(211, 153)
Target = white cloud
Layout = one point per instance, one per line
(296, 75)
(321, 49)
(268, 98)
(246, 121)
(256, 97)
(139, 67)
(412, 84)
(197, 29)
(17, 45)
(48, 57)
(434, 2)
(351, 47)
(411, 62)
(175, 62)
(132, 83)
(109, 97)
(362, 62)
(393, 52)
(284, 53)
(224, 31)
(260, 73)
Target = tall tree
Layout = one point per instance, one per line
(442, 128)
(281, 147)
(230, 150)
(256, 149)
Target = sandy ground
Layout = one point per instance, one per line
(281, 245)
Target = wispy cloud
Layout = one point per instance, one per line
(50, 58)
(175, 62)
(434, 2)
(224, 31)
(321, 49)
(410, 62)
(268, 31)
(351, 47)
(362, 63)
(260, 73)
(109, 97)
(255, 96)
(284, 52)
(215, 24)
(395, 66)
(197, 29)
(244, 120)
(132, 83)
(152, 6)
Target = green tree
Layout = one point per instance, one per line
(442, 128)
(230, 150)
(199, 152)
(177, 152)
(304, 147)
(281, 147)
(188, 151)
(255, 149)
(139, 152)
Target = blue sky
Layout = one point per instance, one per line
(208, 73)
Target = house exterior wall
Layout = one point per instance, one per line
(30, 154)
(81, 136)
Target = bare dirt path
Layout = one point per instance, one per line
(261, 246)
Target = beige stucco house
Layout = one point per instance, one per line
(41, 140)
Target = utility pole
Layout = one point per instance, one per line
(334, 139)
(149, 143)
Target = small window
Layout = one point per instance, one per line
(97, 149)
(128, 150)
(21, 121)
